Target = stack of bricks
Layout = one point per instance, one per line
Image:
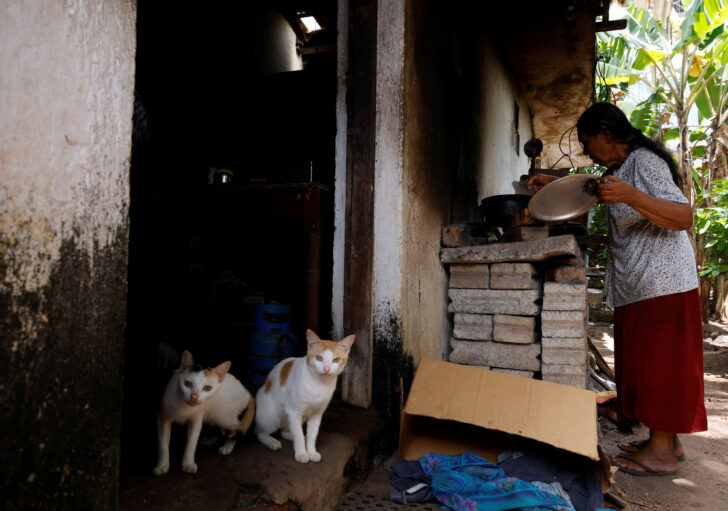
(495, 310)
(564, 321)
(506, 319)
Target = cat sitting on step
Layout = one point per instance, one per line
(195, 396)
(298, 390)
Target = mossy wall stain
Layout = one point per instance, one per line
(393, 369)
(61, 388)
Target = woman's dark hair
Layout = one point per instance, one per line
(611, 118)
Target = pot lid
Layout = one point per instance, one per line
(563, 199)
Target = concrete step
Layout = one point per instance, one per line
(254, 477)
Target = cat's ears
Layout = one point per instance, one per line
(222, 370)
(346, 342)
(311, 337)
(186, 362)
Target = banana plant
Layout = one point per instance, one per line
(683, 64)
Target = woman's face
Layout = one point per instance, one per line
(601, 148)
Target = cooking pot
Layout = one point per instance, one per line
(498, 209)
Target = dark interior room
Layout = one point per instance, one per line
(232, 175)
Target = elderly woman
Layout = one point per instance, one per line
(651, 281)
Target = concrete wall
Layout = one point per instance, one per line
(502, 124)
(463, 141)
(66, 100)
(272, 41)
(432, 136)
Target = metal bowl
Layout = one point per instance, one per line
(564, 199)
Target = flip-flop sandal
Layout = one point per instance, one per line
(637, 445)
(646, 472)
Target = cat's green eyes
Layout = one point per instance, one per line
(188, 384)
(319, 358)
(207, 388)
(337, 360)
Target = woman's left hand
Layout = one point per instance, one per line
(613, 190)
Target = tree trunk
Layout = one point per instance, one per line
(705, 301)
(720, 299)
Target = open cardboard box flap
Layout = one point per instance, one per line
(449, 402)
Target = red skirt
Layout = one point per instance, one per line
(658, 361)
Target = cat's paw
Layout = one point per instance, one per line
(302, 457)
(161, 469)
(270, 442)
(190, 468)
(226, 448)
(314, 456)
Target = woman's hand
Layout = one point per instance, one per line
(538, 181)
(613, 190)
(676, 216)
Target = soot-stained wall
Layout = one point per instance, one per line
(66, 100)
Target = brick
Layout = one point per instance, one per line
(456, 235)
(564, 369)
(495, 301)
(469, 276)
(514, 329)
(514, 276)
(478, 327)
(566, 274)
(564, 342)
(516, 372)
(526, 233)
(560, 296)
(573, 357)
(567, 261)
(494, 354)
(572, 381)
(563, 323)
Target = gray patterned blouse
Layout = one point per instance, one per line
(645, 260)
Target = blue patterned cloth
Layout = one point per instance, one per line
(467, 482)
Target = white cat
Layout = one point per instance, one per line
(298, 390)
(195, 396)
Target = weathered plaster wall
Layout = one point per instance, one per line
(389, 227)
(339, 242)
(463, 142)
(66, 97)
(432, 135)
(502, 124)
(272, 39)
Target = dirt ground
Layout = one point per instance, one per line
(702, 480)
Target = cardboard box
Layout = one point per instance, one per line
(455, 408)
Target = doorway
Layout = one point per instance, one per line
(232, 179)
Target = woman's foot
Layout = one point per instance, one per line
(638, 445)
(657, 457)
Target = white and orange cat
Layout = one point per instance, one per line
(195, 396)
(297, 391)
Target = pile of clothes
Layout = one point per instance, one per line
(520, 480)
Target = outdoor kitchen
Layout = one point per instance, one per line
(518, 287)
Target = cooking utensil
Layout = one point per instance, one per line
(498, 209)
(565, 198)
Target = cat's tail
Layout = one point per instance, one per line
(248, 416)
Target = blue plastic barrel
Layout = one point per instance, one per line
(272, 316)
(271, 341)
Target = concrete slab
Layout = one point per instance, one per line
(536, 250)
(254, 477)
